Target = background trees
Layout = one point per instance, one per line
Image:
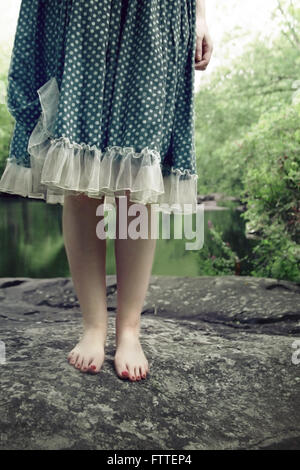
(247, 137)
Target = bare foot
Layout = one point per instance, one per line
(88, 354)
(130, 360)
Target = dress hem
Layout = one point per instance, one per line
(59, 167)
(19, 180)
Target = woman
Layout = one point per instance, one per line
(102, 94)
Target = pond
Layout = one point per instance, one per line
(31, 242)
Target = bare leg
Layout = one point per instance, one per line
(87, 255)
(134, 259)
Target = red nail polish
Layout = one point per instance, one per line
(93, 367)
(125, 373)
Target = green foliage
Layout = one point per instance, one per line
(277, 256)
(248, 145)
(272, 192)
(263, 79)
(6, 120)
(224, 261)
(248, 130)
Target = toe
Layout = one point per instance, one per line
(137, 373)
(131, 373)
(73, 359)
(79, 362)
(99, 363)
(92, 367)
(121, 369)
(98, 367)
(142, 372)
(70, 355)
(125, 373)
(85, 365)
(95, 366)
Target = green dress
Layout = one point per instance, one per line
(102, 93)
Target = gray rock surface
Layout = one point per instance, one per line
(220, 352)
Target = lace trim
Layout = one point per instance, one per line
(59, 167)
(128, 151)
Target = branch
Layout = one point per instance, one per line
(291, 28)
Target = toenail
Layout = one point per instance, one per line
(138, 377)
(125, 373)
(93, 367)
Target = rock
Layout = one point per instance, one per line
(241, 208)
(213, 206)
(221, 371)
(205, 197)
(210, 201)
(220, 197)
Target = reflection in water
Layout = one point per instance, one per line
(32, 245)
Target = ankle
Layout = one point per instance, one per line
(130, 321)
(95, 328)
(127, 332)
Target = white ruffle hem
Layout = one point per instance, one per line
(60, 167)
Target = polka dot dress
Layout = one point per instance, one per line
(102, 93)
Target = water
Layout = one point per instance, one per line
(32, 245)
